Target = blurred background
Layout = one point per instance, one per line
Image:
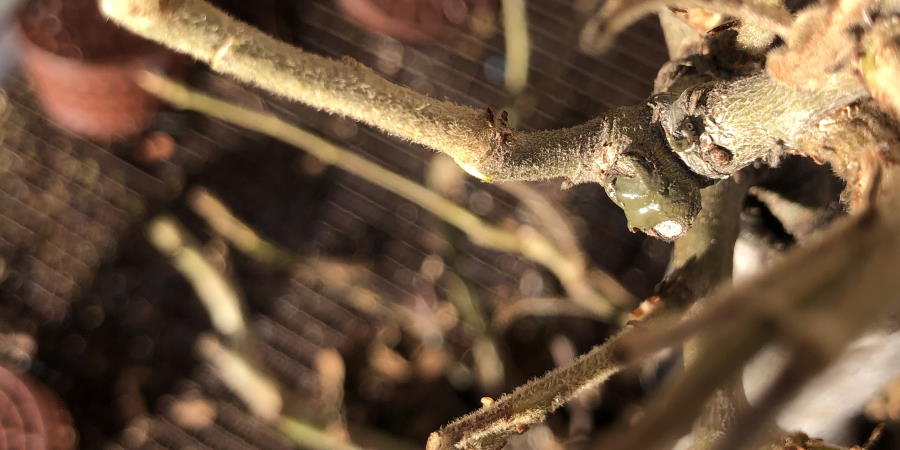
(377, 322)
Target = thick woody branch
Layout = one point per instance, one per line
(840, 272)
(708, 245)
(477, 139)
(703, 260)
(624, 143)
(842, 288)
(715, 128)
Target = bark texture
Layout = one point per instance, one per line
(714, 128)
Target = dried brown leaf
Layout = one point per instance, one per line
(616, 15)
(818, 45)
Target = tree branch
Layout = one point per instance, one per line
(218, 295)
(479, 140)
(843, 288)
(624, 150)
(530, 403)
(489, 427)
(620, 149)
(704, 260)
(717, 128)
(518, 45)
(841, 271)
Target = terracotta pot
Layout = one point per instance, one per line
(31, 417)
(82, 68)
(413, 20)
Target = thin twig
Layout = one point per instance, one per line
(346, 282)
(734, 302)
(508, 313)
(874, 436)
(525, 241)
(489, 367)
(218, 295)
(550, 220)
(490, 426)
(554, 224)
(237, 364)
(331, 373)
(487, 428)
(798, 219)
(239, 234)
(518, 45)
(581, 417)
(257, 390)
